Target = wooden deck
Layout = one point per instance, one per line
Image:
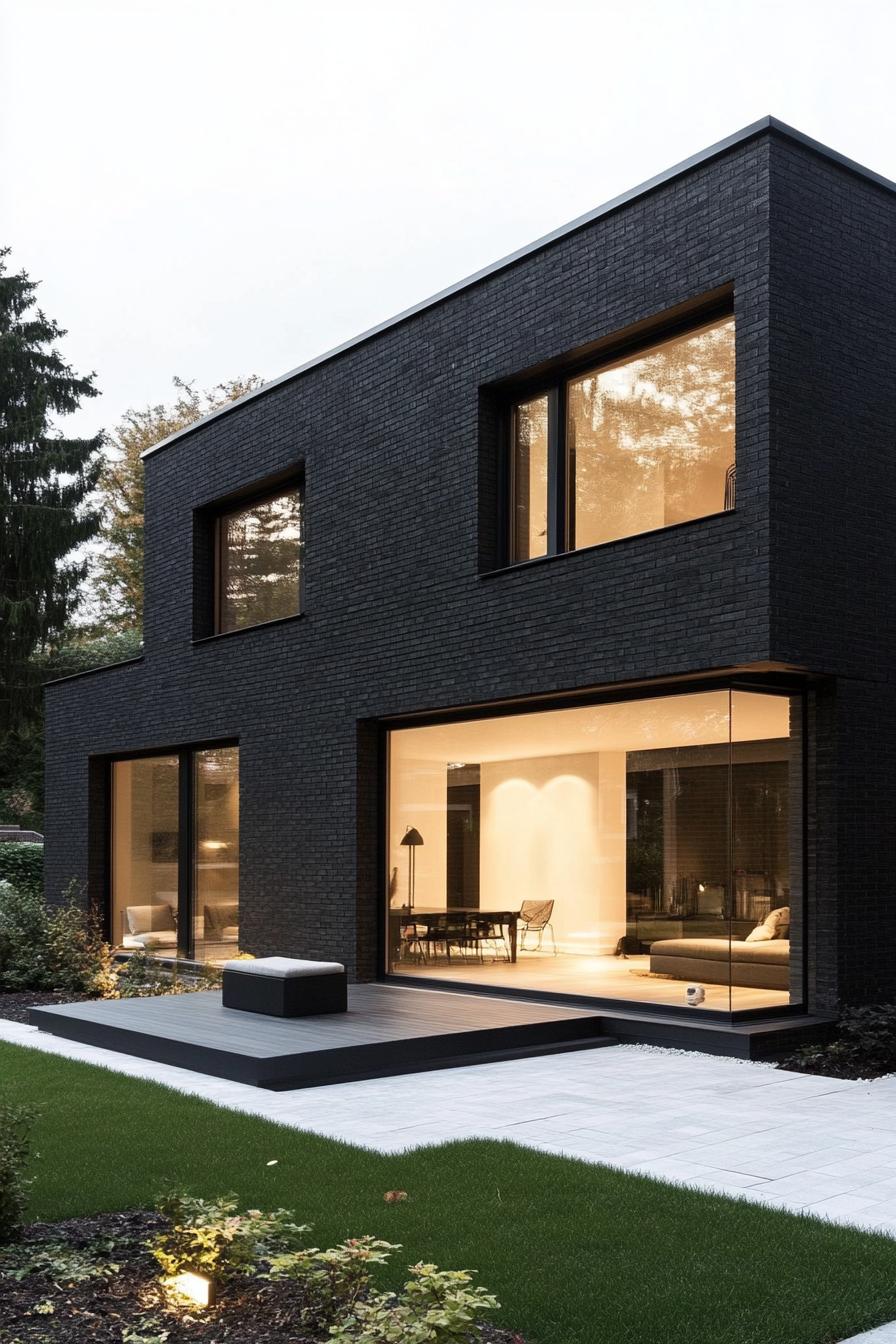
(387, 1030)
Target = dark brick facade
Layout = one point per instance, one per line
(401, 614)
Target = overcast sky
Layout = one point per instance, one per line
(210, 188)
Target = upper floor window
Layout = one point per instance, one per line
(259, 561)
(639, 443)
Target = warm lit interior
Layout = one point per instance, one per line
(628, 850)
(151, 882)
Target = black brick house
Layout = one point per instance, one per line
(640, 473)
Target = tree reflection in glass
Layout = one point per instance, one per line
(530, 479)
(260, 562)
(652, 437)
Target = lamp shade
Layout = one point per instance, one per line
(412, 837)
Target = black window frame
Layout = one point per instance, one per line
(561, 458)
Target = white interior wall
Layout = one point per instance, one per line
(419, 797)
(553, 828)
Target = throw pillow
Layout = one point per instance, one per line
(779, 922)
(762, 934)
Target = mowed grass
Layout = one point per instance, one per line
(577, 1254)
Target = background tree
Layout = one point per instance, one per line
(117, 570)
(46, 484)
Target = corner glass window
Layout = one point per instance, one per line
(640, 443)
(259, 562)
(641, 850)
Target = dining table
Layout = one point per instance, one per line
(429, 914)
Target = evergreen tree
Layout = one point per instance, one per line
(46, 483)
(117, 570)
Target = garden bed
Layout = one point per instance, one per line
(14, 1007)
(94, 1278)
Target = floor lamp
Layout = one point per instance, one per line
(412, 838)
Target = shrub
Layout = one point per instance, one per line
(436, 1306)
(333, 1281)
(78, 957)
(15, 1146)
(22, 865)
(49, 947)
(214, 1238)
(210, 1236)
(24, 940)
(864, 1046)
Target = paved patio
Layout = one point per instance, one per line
(783, 1139)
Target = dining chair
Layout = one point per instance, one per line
(535, 917)
(484, 930)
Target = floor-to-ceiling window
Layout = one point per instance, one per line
(144, 853)
(175, 853)
(630, 850)
(216, 830)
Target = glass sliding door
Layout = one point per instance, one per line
(216, 872)
(144, 853)
(632, 850)
(174, 854)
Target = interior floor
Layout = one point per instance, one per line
(601, 977)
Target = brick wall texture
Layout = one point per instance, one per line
(400, 618)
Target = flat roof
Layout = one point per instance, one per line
(764, 125)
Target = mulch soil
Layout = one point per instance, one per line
(93, 1279)
(14, 1007)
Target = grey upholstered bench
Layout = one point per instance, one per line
(283, 987)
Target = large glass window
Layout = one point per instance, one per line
(170, 896)
(144, 852)
(216, 830)
(259, 562)
(630, 850)
(644, 442)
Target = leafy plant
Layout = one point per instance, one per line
(210, 1236)
(140, 1334)
(79, 958)
(147, 1331)
(864, 1046)
(61, 1263)
(22, 865)
(15, 1148)
(436, 1306)
(49, 946)
(333, 1280)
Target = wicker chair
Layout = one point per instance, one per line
(535, 917)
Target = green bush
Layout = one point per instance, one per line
(23, 865)
(49, 947)
(210, 1236)
(24, 940)
(15, 1146)
(332, 1281)
(436, 1306)
(214, 1238)
(864, 1046)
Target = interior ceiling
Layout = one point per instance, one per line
(632, 725)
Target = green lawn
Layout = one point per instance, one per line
(577, 1254)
